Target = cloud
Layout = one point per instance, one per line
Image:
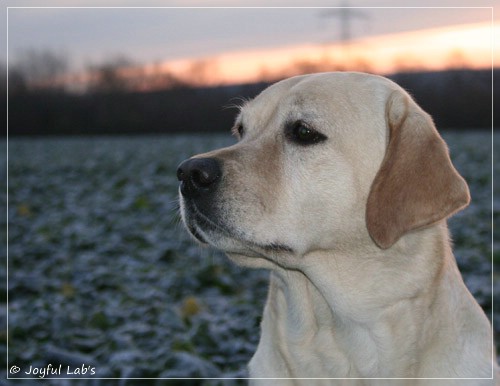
(168, 33)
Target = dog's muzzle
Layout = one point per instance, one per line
(200, 189)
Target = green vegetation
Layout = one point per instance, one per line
(102, 272)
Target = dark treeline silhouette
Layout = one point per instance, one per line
(457, 99)
(184, 109)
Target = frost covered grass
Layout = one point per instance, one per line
(102, 273)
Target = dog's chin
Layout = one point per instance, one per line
(228, 240)
(245, 253)
(224, 241)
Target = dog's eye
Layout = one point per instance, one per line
(238, 130)
(302, 134)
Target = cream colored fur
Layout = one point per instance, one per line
(364, 283)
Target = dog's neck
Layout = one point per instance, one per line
(339, 306)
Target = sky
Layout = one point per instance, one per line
(88, 33)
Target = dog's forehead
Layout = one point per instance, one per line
(296, 95)
(264, 104)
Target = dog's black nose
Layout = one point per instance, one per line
(198, 175)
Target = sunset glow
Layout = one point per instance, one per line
(464, 46)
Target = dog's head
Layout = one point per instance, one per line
(323, 162)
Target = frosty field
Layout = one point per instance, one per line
(101, 272)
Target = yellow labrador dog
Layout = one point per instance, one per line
(341, 185)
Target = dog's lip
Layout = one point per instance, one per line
(275, 247)
(197, 235)
(198, 222)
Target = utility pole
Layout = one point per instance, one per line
(345, 14)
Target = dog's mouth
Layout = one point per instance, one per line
(200, 225)
(223, 236)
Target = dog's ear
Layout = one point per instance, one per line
(417, 184)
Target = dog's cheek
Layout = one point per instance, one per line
(328, 201)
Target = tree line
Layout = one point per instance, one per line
(118, 100)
